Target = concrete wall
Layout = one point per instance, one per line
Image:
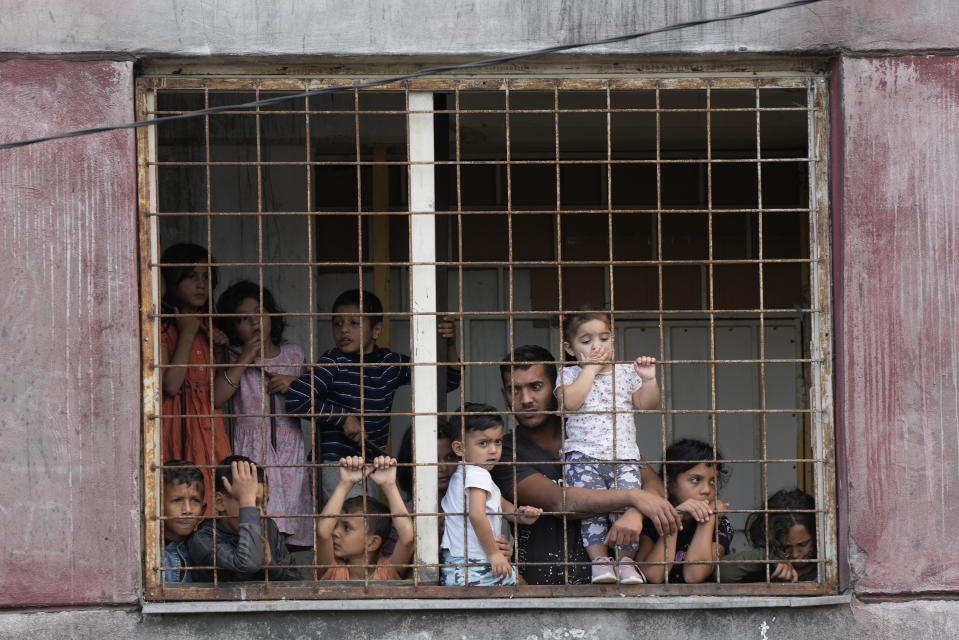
(927, 619)
(466, 27)
(69, 435)
(897, 238)
(69, 338)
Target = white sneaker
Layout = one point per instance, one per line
(629, 573)
(604, 570)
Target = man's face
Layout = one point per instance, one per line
(529, 392)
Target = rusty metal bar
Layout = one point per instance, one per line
(818, 311)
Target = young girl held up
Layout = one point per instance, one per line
(692, 480)
(597, 433)
(193, 429)
(256, 337)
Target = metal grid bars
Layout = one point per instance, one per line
(691, 211)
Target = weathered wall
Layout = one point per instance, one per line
(469, 27)
(892, 621)
(69, 331)
(897, 238)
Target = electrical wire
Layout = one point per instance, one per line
(478, 64)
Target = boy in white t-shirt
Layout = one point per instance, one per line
(475, 506)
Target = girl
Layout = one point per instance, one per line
(598, 433)
(257, 338)
(191, 392)
(692, 478)
(792, 539)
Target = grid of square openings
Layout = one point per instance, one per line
(689, 208)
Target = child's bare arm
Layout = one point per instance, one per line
(227, 381)
(173, 377)
(702, 549)
(663, 549)
(484, 532)
(573, 395)
(520, 515)
(384, 475)
(351, 472)
(647, 396)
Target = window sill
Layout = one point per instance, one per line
(663, 603)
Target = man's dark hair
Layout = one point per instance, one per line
(531, 355)
(377, 516)
(183, 472)
(691, 452)
(781, 523)
(371, 304)
(488, 418)
(223, 470)
(404, 475)
(186, 256)
(230, 299)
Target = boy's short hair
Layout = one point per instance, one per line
(377, 515)
(529, 355)
(371, 304)
(223, 470)
(488, 418)
(182, 472)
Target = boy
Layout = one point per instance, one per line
(246, 541)
(353, 542)
(472, 491)
(335, 386)
(182, 506)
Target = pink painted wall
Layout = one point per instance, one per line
(69, 337)
(897, 234)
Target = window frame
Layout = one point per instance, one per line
(423, 306)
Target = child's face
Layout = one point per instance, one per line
(592, 340)
(698, 483)
(193, 290)
(481, 448)
(182, 506)
(798, 544)
(354, 332)
(252, 324)
(227, 505)
(349, 538)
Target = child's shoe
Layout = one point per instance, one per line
(629, 573)
(604, 570)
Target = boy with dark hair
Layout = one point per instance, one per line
(352, 536)
(182, 507)
(353, 384)
(475, 507)
(247, 542)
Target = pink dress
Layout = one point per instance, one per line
(275, 441)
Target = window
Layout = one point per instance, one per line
(693, 209)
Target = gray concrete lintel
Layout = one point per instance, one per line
(410, 604)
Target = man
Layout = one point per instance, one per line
(528, 391)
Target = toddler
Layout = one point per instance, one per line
(597, 434)
(475, 507)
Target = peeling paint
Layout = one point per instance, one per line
(70, 434)
(901, 319)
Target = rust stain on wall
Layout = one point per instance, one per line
(69, 394)
(900, 326)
